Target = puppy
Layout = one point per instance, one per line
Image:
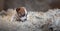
(22, 14)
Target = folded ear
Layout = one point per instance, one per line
(17, 9)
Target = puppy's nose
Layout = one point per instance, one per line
(25, 19)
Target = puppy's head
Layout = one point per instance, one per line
(22, 13)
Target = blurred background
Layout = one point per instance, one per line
(31, 5)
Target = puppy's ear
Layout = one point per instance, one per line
(17, 9)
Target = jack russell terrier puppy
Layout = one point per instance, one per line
(22, 14)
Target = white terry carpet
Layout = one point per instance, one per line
(36, 21)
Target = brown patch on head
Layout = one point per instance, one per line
(20, 11)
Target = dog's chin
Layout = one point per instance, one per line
(23, 19)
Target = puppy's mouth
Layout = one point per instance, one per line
(23, 19)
